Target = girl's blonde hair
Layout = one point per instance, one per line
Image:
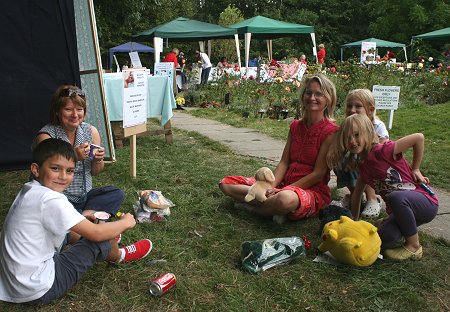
(326, 87)
(339, 147)
(365, 96)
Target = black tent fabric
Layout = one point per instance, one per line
(39, 53)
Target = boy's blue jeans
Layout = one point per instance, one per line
(71, 264)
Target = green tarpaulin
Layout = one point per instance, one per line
(185, 29)
(440, 33)
(266, 28)
(379, 42)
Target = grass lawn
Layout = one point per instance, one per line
(208, 266)
(433, 121)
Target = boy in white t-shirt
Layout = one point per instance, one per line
(33, 267)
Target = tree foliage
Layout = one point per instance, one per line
(227, 48)
(336, 22)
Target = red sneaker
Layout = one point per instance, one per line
(138, 250)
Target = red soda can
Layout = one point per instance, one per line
(162, 284)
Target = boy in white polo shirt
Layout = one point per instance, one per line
(33, 267)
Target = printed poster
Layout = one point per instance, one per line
(134, 97)
(165, 69)
(368, 52)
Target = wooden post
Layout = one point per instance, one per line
(133, 155)
(168, 132)
(132, 131)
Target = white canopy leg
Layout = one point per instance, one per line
(248, 38)
(269, 49)
(201, 45)
(238, 51)
(313, 38)
(209, 47)
(157, 46)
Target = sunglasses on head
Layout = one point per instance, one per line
(72, 92)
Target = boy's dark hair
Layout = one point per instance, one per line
(51, 147)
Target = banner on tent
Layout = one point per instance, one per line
(267, 72)
(368, 53)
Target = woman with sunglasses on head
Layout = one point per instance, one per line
(301, 187)
(67, 114)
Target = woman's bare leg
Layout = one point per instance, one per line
(281, 203)
(235, 191)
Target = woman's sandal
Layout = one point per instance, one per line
(371, 210)
(401, 253)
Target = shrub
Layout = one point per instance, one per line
(247, 94)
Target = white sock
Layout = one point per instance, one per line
(122, 255)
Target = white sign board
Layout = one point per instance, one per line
(165, 69)
(386, 97)
(135, 60)
(134, 97)
(368, 52)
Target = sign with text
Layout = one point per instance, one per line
(165, 69)
(135, 60)
(386, 97)
(134, 97)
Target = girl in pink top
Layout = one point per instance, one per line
(361, 101)
(410, 201)
(301, 187)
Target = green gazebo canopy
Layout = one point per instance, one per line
(262, 27)
(185, 29)
(265, 28)
(379, 43)
(440, 33)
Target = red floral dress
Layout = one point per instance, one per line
(305, 146)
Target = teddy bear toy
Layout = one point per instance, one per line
(351, 242)
(264, 179)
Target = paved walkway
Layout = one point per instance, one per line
(249, 142)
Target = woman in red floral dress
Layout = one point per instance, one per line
(301, 187)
